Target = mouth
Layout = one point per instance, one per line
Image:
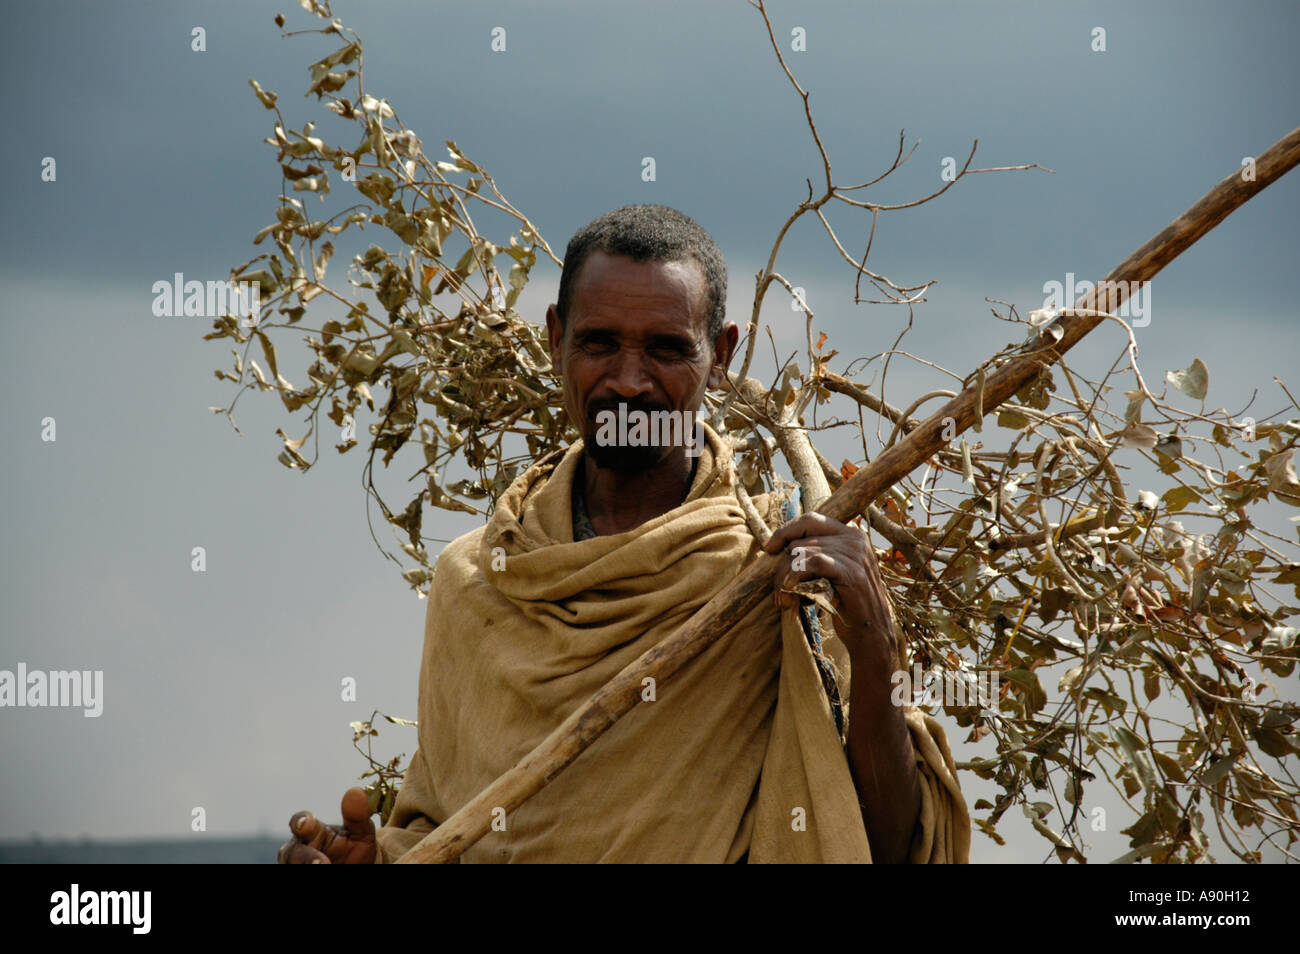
(614, 445)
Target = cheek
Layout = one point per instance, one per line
(582, 376)
(692, 383)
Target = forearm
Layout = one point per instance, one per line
(882, 762)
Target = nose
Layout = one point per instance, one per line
(627, 377)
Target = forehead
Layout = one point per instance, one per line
(614, 289)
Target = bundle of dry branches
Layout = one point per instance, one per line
(1017, 551)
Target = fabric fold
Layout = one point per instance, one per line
(738, 753)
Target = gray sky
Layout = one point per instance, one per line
(222, 687)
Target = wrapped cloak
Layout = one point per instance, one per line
(738, 757)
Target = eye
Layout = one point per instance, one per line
(597, 346)
(667, 351)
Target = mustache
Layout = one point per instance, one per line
(597, 405)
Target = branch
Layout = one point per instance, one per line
(713, 620)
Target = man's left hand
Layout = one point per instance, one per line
(818, 546)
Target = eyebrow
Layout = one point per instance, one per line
(683, 342)
(660, 340)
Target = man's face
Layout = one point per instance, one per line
(636, 335)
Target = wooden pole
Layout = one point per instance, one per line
(531, 774)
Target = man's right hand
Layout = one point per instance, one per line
(314, 843)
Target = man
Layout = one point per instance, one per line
(597, 554)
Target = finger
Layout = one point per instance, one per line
(304, 825)
(355, 809)
(819, 564)
(810, 524)
(330, 840)
(805, 561)
(294, 852)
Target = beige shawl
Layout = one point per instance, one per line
(737, 754)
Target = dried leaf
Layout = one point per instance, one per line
(1194, 381)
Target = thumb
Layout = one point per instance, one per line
(355, 809)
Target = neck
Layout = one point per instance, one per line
(618, 502)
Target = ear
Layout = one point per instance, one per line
(555, 338)
(724, 347)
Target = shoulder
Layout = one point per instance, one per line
(458, 560)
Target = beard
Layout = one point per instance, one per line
(622, 458)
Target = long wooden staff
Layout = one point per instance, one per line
(733, 601)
